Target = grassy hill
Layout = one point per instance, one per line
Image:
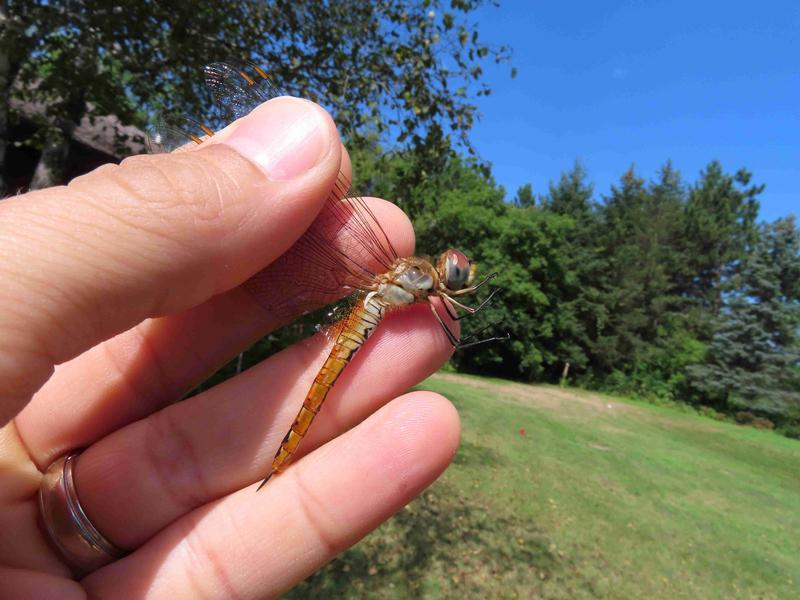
(562, 493)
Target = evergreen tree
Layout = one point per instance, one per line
(525, 197)
(753, 360)
(645, 342)
(580, 310)
(623, 227)
(719, 225)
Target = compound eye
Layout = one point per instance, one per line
(456, 270)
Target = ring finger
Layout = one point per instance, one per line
(246, 546)
(141, 478)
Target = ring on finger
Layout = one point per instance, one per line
(81, 545)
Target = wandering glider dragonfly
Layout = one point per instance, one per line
(344, 252)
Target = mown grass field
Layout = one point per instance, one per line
(563, 493)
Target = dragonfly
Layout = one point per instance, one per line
(345, 252)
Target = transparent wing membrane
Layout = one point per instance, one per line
(239, 87)
(172, 132)
(340, 254)
(345, 246)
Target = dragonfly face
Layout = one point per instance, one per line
(415, 279)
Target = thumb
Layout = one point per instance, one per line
(154, 235)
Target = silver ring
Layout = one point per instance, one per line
(81, 545)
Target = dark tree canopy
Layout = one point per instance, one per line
(405, 67)
(719, 224)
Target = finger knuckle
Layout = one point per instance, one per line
(174, 461)
(207, 570)
(318, 519)
(184, 192)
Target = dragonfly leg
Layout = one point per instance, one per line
(468, 309)
(459, 344)
(450, 335)
(469, 290)
(496, 338)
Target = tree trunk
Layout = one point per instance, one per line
(51, 168)
(5, 89)
(4, 92)
(52, 161)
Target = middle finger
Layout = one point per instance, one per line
(144, 476)
(139, 371)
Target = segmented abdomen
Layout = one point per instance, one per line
(357, 327)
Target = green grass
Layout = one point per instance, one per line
(598, 497)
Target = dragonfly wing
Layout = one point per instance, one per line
(341, 252)
(343, 249)
(238, 87)
(345, 246)
(175, 132)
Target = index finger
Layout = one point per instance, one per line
(152, 236)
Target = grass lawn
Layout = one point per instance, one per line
(560, 493)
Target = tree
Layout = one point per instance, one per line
(402, 66)
(525, 197)
(644, 339)
(624, 228)
(719, 225)
(462, 207)
(580, 311)
(572, 195)
(753, 361)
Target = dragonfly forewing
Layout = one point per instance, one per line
(340, 252)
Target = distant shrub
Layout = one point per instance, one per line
(745, 417)
(449, 367)
(711, 413)
(792, 431)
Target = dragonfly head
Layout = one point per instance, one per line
(455, 270)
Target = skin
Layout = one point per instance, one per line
(120, 292)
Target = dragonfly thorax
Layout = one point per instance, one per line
(411, 280)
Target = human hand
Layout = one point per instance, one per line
(129, 280)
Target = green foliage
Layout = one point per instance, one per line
(663, 289)
(719, 225)
(627, 290)
(459, 206)
(755, 349)
(525, 197)
(603, 286)
(399, 67)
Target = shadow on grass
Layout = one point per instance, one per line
(440, 544)
(474, 454)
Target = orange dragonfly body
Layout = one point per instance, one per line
(345, 251)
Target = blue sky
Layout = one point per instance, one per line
(612, 83)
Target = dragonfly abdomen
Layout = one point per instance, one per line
(357, 327)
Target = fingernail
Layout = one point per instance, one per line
(285, 137)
